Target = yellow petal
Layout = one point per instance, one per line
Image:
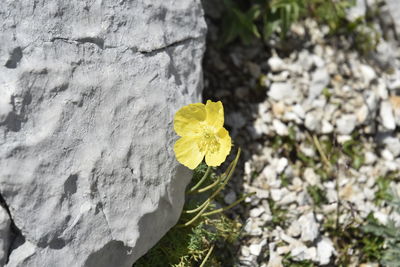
(225, 144)
(187, 151)
(188, 119)
(215, 114)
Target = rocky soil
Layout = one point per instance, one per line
(319, 126)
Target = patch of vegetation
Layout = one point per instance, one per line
(260, 19)
(279, 215)
(317, 194)
(204, 236)
(354, 149)
(389, 233)
(288, 261)
(350, 240)
(383, 192)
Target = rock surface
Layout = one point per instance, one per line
(88, 90)
(5, 224)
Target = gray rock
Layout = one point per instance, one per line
(326, 127)
(386, 115)
(346, 124)
(393, 145)
(276, 63)
(356, 11)
(235, 120)
(320, 79)
(311, 177)
(255, 249)
(230, 197)
(312, 122)
(309, 227)
(368, 73)
(5, 224)
(325, 250)
(87, 167)
(280, 91)
(394, 10)
(280, 127)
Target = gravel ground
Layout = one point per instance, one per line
(319, 127)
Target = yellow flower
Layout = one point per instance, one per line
(202, 134)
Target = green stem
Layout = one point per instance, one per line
(228, 177)
(208, 187)
(198, 208)
(321, 152)
(228, 207)
(207, 256)
(195, 217)
(201, 181)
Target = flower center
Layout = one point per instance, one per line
(209, 142)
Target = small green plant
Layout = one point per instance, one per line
(390, 256)
(260, 19)
(279, 215)
(202, 229)
(288, 261)
(317, 194)
(354, 149)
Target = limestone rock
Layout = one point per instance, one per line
(394, 9)
(5, 236)
(88, 90)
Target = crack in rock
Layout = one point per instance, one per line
(14, 238)
(100, 42)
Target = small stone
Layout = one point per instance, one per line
(281, 165)
(395, 101)
(387, 155)
(280, 128)
(325, 250)
(393, 145)
(320, 80)
(346, 124)
(309, 227)
(311, 177)
(311, 122)
(362, 114)
(235, 120)
(259, 128)
(256, 212)
(386, 114)
(305, 60)
(252, 227)
(280, 91)
(298, 109)
(278, 108)
(255, 249)
(274, 259)
(367, 72)
(318, 61)
(307, 150)
(254, 69)
(357, 11)
(276, 194)
(283, 250)
(230, 197)
(343, 138)
(288, 198)
(381, 90)
(245, 251)
(276, 63)
(370, 158)
(301, 253)
(294, 229)
(327, 127)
